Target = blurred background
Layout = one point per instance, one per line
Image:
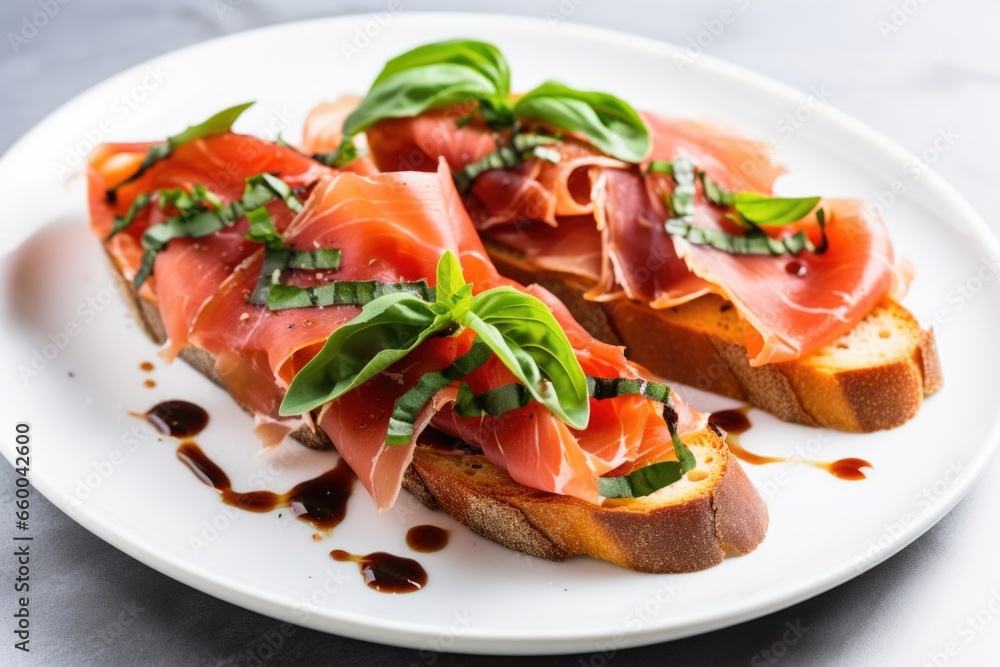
(912, 69)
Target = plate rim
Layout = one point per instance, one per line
(480, 640)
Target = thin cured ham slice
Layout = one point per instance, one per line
(595, 217)
(189, 271)
(389, 227)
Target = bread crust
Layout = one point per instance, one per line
(701, 345)
(721, 513)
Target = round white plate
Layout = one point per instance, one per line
(72, 355)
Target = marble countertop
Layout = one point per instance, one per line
(908, 68)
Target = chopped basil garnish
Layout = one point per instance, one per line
(122, 222)
(278, 257)
(753, 211)
(409, 406)
(493, 402)
(198, 220)
(641, 482)
(462, 71)
(523, 147)
(517, 327)
(753, 242)
(220, 123)
(343, 293)
(277, 260)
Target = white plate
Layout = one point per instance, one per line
(125, 484)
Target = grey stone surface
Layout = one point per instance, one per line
(908, 68)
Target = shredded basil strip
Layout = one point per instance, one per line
(277, 260)
(220, 123)
(409, 406)
(641, 482)
(523, 147)
(754, 242)
(122, 222)
(500, 400)
(345, 152)
(342, 293)
(660, 167)
(682, 199)
(493, 402)
(198, 221)
(752, 211)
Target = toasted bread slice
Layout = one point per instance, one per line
(872, 378)
(690, 525)
(687, 526)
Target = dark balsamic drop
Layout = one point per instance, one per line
(385, 572)
(730, 421)
(849, 469)
(735, 422)
(179, 419)
(426, 539)
(321, 501)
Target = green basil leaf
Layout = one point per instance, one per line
(449, 278)
(386, 330)
(641, 482)
(608, 122)
(433, 76)
(480, 57)
(524, 334)
(772, 211)
(220, 123)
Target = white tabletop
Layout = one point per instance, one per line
(912, 69)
